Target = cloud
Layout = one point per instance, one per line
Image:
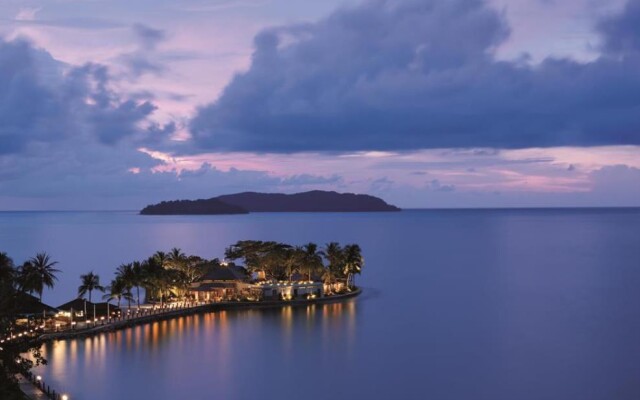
(43, 101)
(27, 13)
(622, 32)
(302, 180)
(149, 37)
(439, 187)
(28, 17)
(617, 184)
(388, 75)
(144, 59)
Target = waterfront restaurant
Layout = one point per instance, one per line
(74, 311)
(219, 283)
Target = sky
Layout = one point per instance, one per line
(112, 104)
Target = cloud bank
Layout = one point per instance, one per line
(43, 101)
(402, 75)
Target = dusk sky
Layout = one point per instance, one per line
(426, 103)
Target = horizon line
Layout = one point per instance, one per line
(347, 212)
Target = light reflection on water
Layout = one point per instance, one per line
(219, 348)
(458, 304)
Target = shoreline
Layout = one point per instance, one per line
(210, 307)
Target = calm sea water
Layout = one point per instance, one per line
(484, 304)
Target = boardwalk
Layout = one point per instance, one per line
(29, 389)
(150, 315)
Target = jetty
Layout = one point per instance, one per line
(150, 315)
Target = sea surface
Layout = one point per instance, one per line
(457, 304)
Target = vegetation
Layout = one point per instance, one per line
(90, 282)
(281, 261)
(36, 273)
(242, 203)
(168, 275)
(162, 276)
(15, 283)
(118, 291)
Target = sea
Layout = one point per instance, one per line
(504, 304)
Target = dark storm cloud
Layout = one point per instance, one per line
(421, 74)
(43, 102)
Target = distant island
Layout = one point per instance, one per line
(246, 202)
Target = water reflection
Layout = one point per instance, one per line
(460, 304)
(191, 353)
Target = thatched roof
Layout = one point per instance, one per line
(27, 304)
(224, 273)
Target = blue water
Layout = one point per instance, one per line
(458, 304)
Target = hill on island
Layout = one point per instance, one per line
(242, 203)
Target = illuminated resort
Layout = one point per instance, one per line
(167, 285)
(254, 272)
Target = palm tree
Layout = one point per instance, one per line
(37, 273)
(312, 259)
(7, 273)
(291, 260)
(177, 259)
(127, 277)
(137, 279)
(353, 262)
(7, 289)
(90, 282)
(334, 255)
(161, 258)
(162, 281)
(117, 290)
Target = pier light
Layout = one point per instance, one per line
(65, 397)
(38, 378)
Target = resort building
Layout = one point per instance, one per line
(219, 283)
(29, 306)
(285, 290)
(85, 310)
(231, 282)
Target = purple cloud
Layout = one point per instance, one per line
(390, 75)
(44, 101)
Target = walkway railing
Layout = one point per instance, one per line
(40, 384)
